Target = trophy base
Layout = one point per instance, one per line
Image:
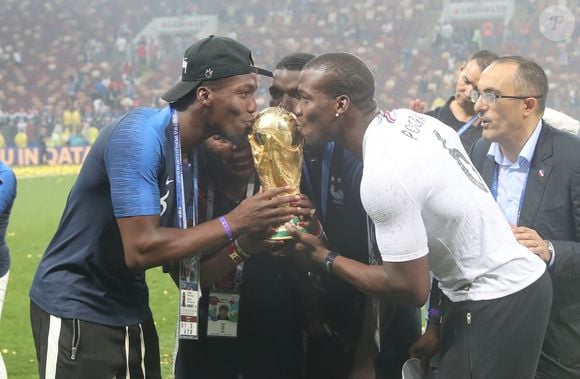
(282, 234)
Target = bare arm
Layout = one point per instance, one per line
(428, 344)
(146, 244)
(214, 268)
(219, 264)
(402, 282)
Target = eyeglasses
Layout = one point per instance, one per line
(490, 97)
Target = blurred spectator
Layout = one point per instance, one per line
(21, 140)
(56, 136)
(71, 117)
(89, 52)
(92, 135)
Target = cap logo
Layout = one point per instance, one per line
(208, 73)
(184, 66)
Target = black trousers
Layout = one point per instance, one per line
(328, 359)
(404, 330)
(496, 339)
(67, 348)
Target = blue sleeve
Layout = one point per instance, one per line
(7, 188)
(133, 159)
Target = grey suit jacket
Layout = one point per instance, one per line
(552, 207)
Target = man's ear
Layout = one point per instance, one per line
(204, 95)
(342, 104)
(530, 106)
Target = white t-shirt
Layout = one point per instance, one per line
(424, 196)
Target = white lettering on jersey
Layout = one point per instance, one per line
(163, 203)
(163, 199)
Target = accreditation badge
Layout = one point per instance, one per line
(224, 306)
(190, 293)
(223, 313)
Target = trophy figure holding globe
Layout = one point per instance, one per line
(277, 151)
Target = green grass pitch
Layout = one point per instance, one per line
(34, 219)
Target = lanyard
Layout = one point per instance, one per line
(179, 191)
(326, 158)
(189, 267)
(179, 186)
(494, 188)
(195, 186)
(467, 125)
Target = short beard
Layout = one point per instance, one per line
(466, 104)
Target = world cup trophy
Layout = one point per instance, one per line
(277, 150)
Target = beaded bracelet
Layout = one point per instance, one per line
(319, 230)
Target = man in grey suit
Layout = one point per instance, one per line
(533, 171)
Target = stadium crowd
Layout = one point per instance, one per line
(489, 230)
(79, 65)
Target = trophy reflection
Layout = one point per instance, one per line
(277, 150)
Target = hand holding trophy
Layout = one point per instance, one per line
(277, 150)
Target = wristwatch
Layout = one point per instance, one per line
(329, 261)
(550, 250)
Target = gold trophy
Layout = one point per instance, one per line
(277, 151)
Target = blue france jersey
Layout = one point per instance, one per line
(83, 274)
(7, 196)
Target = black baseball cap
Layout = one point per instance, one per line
(212, 58)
